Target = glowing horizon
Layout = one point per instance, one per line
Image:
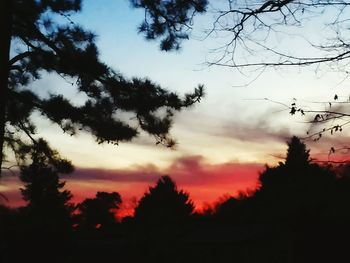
(225, 140)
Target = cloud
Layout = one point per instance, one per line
(137, 174)
(204, 181)
(260, 130)
(195, 170)
(9, 187)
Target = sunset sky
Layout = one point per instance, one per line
(223, 142)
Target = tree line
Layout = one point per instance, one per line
(298, 212)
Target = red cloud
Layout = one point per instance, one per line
(207, 182)
(204, 181)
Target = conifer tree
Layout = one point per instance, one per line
(47, 202)
(164, 204)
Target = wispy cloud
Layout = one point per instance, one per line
(255, 131)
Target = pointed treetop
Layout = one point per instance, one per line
(297, 154)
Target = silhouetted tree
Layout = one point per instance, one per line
(234, 209)
(39, 37)
(48, 204)
(44, 228)
(168, 20)
(163, 214)
(227, 210)
(296, 190)
(164, 204)
(297, 154)
(99, 212)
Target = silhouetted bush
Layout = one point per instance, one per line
(98, 212)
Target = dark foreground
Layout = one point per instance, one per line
(244, 243)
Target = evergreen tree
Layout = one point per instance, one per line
(297, 154)
(297, 189)
(48, 203)
(164, 204)
(39, 37)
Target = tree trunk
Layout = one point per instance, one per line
(5, 43)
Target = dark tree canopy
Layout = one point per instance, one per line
(47, 203)
(298, 190)
(164, 204)
(227, 209)
(168, 20)
(297, 154)
(297, 165)
(42, 38)
(98, 211)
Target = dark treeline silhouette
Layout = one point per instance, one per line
(298, 213)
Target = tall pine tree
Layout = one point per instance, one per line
(48, 204)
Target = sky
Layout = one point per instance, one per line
(223, 142)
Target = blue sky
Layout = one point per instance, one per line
(226, 125)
